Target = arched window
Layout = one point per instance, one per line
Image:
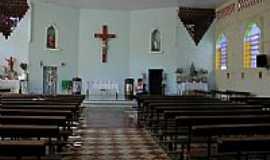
(252, 45)
(222, 53)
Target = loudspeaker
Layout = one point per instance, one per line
(261, 60)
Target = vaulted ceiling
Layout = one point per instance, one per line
(136, 4)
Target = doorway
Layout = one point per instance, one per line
(155, 81)
(50, 80)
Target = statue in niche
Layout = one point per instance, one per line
(155, 41)
(51, 37)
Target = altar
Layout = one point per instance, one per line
(13, 85)
(186, 87)
(103, 87)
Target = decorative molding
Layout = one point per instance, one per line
(236, 7)
(197, 21)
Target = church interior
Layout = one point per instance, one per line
(134, 80)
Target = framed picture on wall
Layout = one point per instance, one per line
(52, 38)
(156, 41)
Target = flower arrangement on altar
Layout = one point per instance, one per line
(191, 74)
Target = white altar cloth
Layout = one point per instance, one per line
(13, 85)
(101, 87)
(191, 86)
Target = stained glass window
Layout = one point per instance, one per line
(252, 45)
(222, 53)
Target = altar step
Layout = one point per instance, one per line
(110, 103)
(97, 101)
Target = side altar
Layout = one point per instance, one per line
(191, 79)
(14, 76)
(12, 85)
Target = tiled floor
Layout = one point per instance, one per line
(110, 133)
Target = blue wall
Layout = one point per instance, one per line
(67, 23)
(179, 49)
(90, 66)
(128, 55)
(202, 55)
(141, 60)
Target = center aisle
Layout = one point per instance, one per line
(110, 133)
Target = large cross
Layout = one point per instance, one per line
(105, 36)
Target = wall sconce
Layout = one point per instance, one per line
(228, 75)
(41, 63)
(243, 75)
(63, 64)
(260, 75)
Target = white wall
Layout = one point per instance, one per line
(17, 44)
(67, 22)
(90, 66)
(141, 24)
(179, 50)
(128, 54)
(202, 55)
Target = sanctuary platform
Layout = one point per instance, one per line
(109, 100)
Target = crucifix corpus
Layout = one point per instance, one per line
(10, 62)
(105, 36)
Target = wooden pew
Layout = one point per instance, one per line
(57, 98)
(37, 117)
(14, 96)
(37, 112)
(59, 121)
(246, 130)
(37, 99)
(230, 94)
(252, 100)
(29, 131)
(191, 121)
(157, 111)
(165, 127)
(74, 109)
(37, 102)
(169, 116)
(22, 148)
(242, 119)
(144, 104)
(143, 99)
(243, 147)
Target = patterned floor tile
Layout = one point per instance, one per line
(119, 139)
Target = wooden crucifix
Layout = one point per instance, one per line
(105, 36)
(10, 62)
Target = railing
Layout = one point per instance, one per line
(103, 88)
